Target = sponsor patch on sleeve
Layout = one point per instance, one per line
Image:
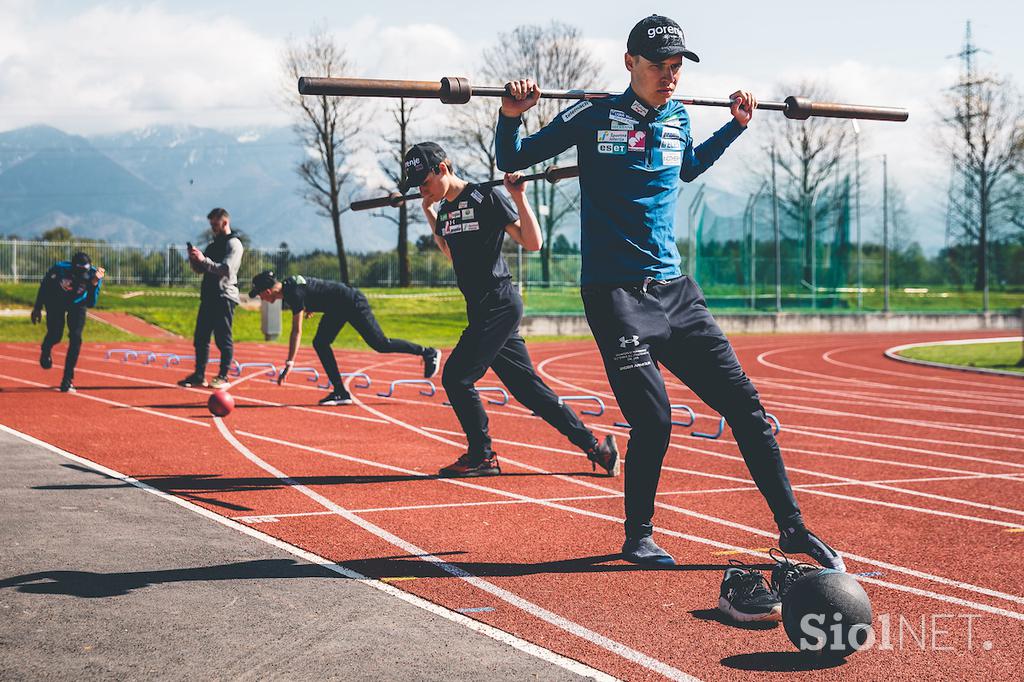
(570, 113)
(620, 125)
(621, 117)
(611, 148)
(611, 135)
(476, 196)
(671, 158)
(670, 143)
(639, 108)
(637, 141)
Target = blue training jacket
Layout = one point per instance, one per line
(631, 159)
(60, 286)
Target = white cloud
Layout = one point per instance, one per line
(116, 68)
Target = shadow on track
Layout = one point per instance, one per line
(413, 567)
(780, 662)
(91, 585)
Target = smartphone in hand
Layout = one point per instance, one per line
(189, 245)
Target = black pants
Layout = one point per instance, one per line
(669, 324)
(492, 340)
(357, 312)
(55, 316)
(215, 317)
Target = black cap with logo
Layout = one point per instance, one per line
(420, 160)
(262, 282)
(657, 38)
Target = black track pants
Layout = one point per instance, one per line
(639, 328)
(358, 313)
(214, 317)
(55, 318)
(492, 340)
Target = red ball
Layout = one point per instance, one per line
(220, 403)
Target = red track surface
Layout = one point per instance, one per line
(915, 473)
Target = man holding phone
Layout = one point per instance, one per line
(218, 296)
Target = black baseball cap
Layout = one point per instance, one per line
(81, 260)
(262, 282)
(419, 161)
(657, 38)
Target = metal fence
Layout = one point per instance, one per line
(168, 265)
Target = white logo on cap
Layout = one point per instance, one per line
(658, 30)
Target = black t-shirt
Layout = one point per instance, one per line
(314, 295)
(473, 225)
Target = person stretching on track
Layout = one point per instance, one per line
(340, 304)
(633, 151)
(469, 226)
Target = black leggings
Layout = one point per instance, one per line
(55, 315)
(356, 312)
(669, 324)
(492, 340)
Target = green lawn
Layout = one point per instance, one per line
(428, 320)
(22, 329)
(1004, 356)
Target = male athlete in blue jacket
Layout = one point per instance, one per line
(66, 290)
(633, 151)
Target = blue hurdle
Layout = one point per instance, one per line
(176, 359)
(687, 409)
(128, 352)
(712, 436)
(356, 375)
(245, 365)
(577, 398)
(152, 357)
(309, 370)
(490, 389)
(693, 417)
(398, 382)
(775, 422)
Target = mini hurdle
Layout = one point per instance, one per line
(400, 382)
(490, 389)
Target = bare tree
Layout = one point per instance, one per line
(325, 127)
(471, 138)
(555, 57)
(812, 157)
(392, 163)
(984, 136)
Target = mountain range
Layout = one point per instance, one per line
(156, 185)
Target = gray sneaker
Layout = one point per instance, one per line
(645, 551)
(219, 382)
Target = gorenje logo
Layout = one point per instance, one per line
(658, 30)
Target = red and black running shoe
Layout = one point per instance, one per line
(472, 465)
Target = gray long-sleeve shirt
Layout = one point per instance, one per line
(219, 268)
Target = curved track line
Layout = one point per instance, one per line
(475, 625)
(535, 610)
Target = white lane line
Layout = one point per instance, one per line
(926, 576)
(164, 384)
(946, 598)
(889, 352)
(535, 610)
(612, 404)
(105, 401)
(757, 531)
(455, 617)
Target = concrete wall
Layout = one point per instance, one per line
(576, 325)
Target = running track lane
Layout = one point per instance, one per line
(474, 531)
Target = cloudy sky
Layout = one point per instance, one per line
(90, 67)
